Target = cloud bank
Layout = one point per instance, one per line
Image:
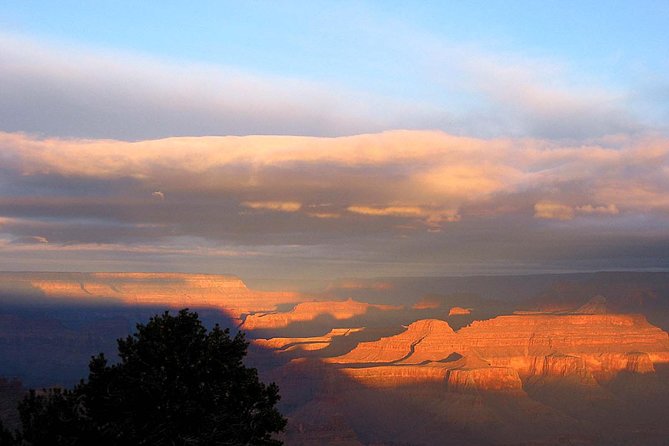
(387, 203)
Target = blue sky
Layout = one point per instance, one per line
(379, 138)
(289, 38)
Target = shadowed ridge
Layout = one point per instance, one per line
(596, 305)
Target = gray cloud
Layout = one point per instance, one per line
(67, 91)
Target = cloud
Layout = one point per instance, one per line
(32, 239)
(429, 176)
(557, 211)
(279, 206)
(339, 205)
(433, 218)
(538, 98)
(553, 211)
(72, 91)
(611, 209)
(501, 90)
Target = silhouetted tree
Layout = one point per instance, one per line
(6, 436)
(175, 384)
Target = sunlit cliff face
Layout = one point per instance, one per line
(445, 203)
(586, 345)
(169, 290)
(523, 378)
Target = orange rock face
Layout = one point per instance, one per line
(432, 332)
(307, 343)
(309, 311)
(463, 375)
(171, 289)
(490, 379)
(602, 341)
(494, 355)
(398, 375)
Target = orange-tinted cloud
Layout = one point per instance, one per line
(433, 218)
(553, 211)
(279, 206)
(556, 211)
(428, 176)
(428, 198)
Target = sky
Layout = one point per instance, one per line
(304, 141)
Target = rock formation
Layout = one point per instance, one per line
(307, 344)
(159, 289)
(309, 311)
(495, 354)
(596, 305)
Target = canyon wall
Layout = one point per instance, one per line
(174, 290)
(310, 311)
(496, 354)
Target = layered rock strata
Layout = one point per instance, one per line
(310, 311)
(306, 343)
(171, 289)
(496, 354)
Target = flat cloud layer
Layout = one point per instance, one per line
(401, 202)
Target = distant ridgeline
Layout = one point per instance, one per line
(51, 323)
(155, 289)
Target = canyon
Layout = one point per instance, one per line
(494, 355)
(529, 377)
(310, 311)
(173, 290)
(452, 368)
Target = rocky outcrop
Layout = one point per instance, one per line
(455, 374)
(484, 379)
(496, 354)
(310, 311)
(430, 334)
(558, 367)
(307, 343)
(171, 289)
(639, 362)
(399, 375)
(596, 305)
(517, 340)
